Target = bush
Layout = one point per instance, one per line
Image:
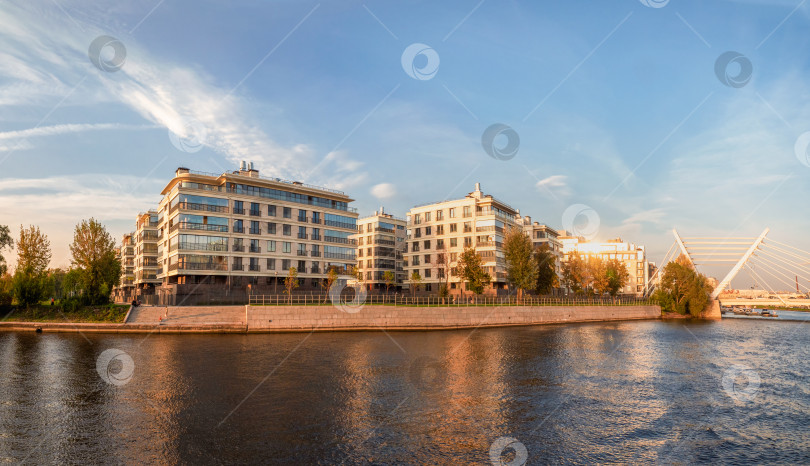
(71, 304)
(27, 288)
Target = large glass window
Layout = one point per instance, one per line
(340, 221)
(202, 243)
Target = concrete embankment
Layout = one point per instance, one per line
(267, 319)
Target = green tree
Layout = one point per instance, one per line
(291, 282)
(597, 277)
(575, 274)
(93, 251)
(416, 281)
(6, 241)
(683, 289)
(521, 269)
(390, 279)
(33, 256)
(331, 278)
(471, 270)
(545, 262)
(6, 294)
(617, 275)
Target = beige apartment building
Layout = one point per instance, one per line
(237, 232)
(125, 291)
(439, 232)
(381, 247)
(544, 235)
(634, 258)
(146, 254)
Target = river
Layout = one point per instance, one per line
(733, 391)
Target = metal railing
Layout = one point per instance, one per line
(452, 301)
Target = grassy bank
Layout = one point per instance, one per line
(110, 313)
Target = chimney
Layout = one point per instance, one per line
(478, 187)
(382, 210)
(242, 166)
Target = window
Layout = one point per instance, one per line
(316, 217)
(439, 244)
(271, 246)
(271, 264)
(238, 227)
(427, 244)
(255, 229)
(439, 229)
(417, 219)
(302, 215)
(453, 242)
(255, 209)
(271, 211)
(453, 227)
(467, 241)
(415, 260)
(453, 256)
(427, 273)
(254, 246)
(428, 231)
(238, 207)
(316, 234)
(427, 216)
(287, 212)
(302, 232)
(287, 230)
(453, 213)
(467, 211)
(417, 233)
(302, 267)
(439, 215)
(286, 246)
(285, 264)
(427, 258)
(271, 228)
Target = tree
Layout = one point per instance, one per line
(472, 272)
(596, 275)
(390, 279)
(93, 251)
(443, 269)
(33, 256)
(574, 273)
(521, 270)
(291, 282)
(6, 241)
(683, 289)
(327, 283)
(617, 274)
(416, 280)
(545, 262)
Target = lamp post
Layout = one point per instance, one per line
(275, 282)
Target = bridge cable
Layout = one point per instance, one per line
(783, 267)
(788, 280)
(766, 284)
(776, 253)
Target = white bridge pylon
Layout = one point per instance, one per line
(719, 248)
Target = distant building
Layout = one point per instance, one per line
(146, 254)
(125, 291)
(380, 248)
(543, 235)
(439, 232)
(634, 258)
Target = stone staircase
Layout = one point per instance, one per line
(187, 315)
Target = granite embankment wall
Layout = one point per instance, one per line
(305, 318)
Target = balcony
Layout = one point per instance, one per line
(315, 270)
(302, 219)
(203, 207)
(238, 229)
(337, 239)
(333, 223)
(255, 213)
(315, 254)
(256, 249)
(316, 237)
(301, 253)
(253, 267)
(198, 266)
(237, 267)
(315, 220)
(203, 247)
(255, 231)
(201, 226)
(302, 236)
(238, 248)
(239, 211)
(337, 255)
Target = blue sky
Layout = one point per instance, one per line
(617, 106)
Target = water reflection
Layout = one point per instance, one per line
(614, 392)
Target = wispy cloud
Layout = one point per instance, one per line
(55, 130)
(554, 184)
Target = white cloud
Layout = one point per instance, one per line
(384, 191)
(67, 129)
(554, 183)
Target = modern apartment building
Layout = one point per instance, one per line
(125, 291)
(381, 247)
(544, 235)
(439, 232)
(237, 231)
(634, 257)
(146, 253)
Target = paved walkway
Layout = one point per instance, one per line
(187, 315)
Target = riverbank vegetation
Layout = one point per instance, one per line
(683, 289)
(45, 312)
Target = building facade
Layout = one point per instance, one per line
(146, 254)
(439, 232)
(125, 291)
(544, 236)
(381, 248)
(632, 256)
(238, 232)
